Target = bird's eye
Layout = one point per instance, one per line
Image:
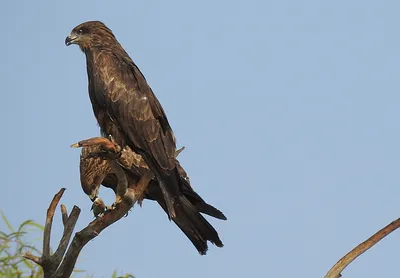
(80, 31)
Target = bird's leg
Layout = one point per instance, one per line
(141, 186)
(122, 192)
(122, 184)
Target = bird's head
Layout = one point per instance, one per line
(91, 189)
(91, 34)
(92, 171)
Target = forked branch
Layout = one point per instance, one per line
(49, 262)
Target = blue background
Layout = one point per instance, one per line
(288, 111)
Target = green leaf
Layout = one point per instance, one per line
(3, 259)
(15, 235)
(8, 253)
(6, 221)
(3, 235)
(30, 223)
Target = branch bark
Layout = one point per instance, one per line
(49, 223)
(62, 262)
(337, 269)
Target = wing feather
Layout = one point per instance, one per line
(133, 105)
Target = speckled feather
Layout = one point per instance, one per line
(96, 171)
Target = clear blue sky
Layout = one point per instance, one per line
(289, 111)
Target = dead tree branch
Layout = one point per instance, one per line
(58, 265)
(336, 270)
(49, 262)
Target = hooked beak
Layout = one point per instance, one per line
(71, 39)
(93, 195)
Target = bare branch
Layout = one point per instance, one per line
(91, 231)
(49, 222)
(68, 230)
(336, 270)
(33, 258)
(59, 265)
(131, 196)
(64, 214)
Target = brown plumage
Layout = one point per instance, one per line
(96, 170)
(126, 108)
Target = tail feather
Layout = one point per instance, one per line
(200, 204)
(210, 210)
(194, 225)
(206, 231)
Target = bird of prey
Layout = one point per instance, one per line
(95, 171)
(127, 109)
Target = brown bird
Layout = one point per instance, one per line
(127, 109)
(95, 171)
(125, 106)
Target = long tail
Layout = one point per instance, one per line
(199, 203)
(154, 193)
(188, 218)
(194, 225)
